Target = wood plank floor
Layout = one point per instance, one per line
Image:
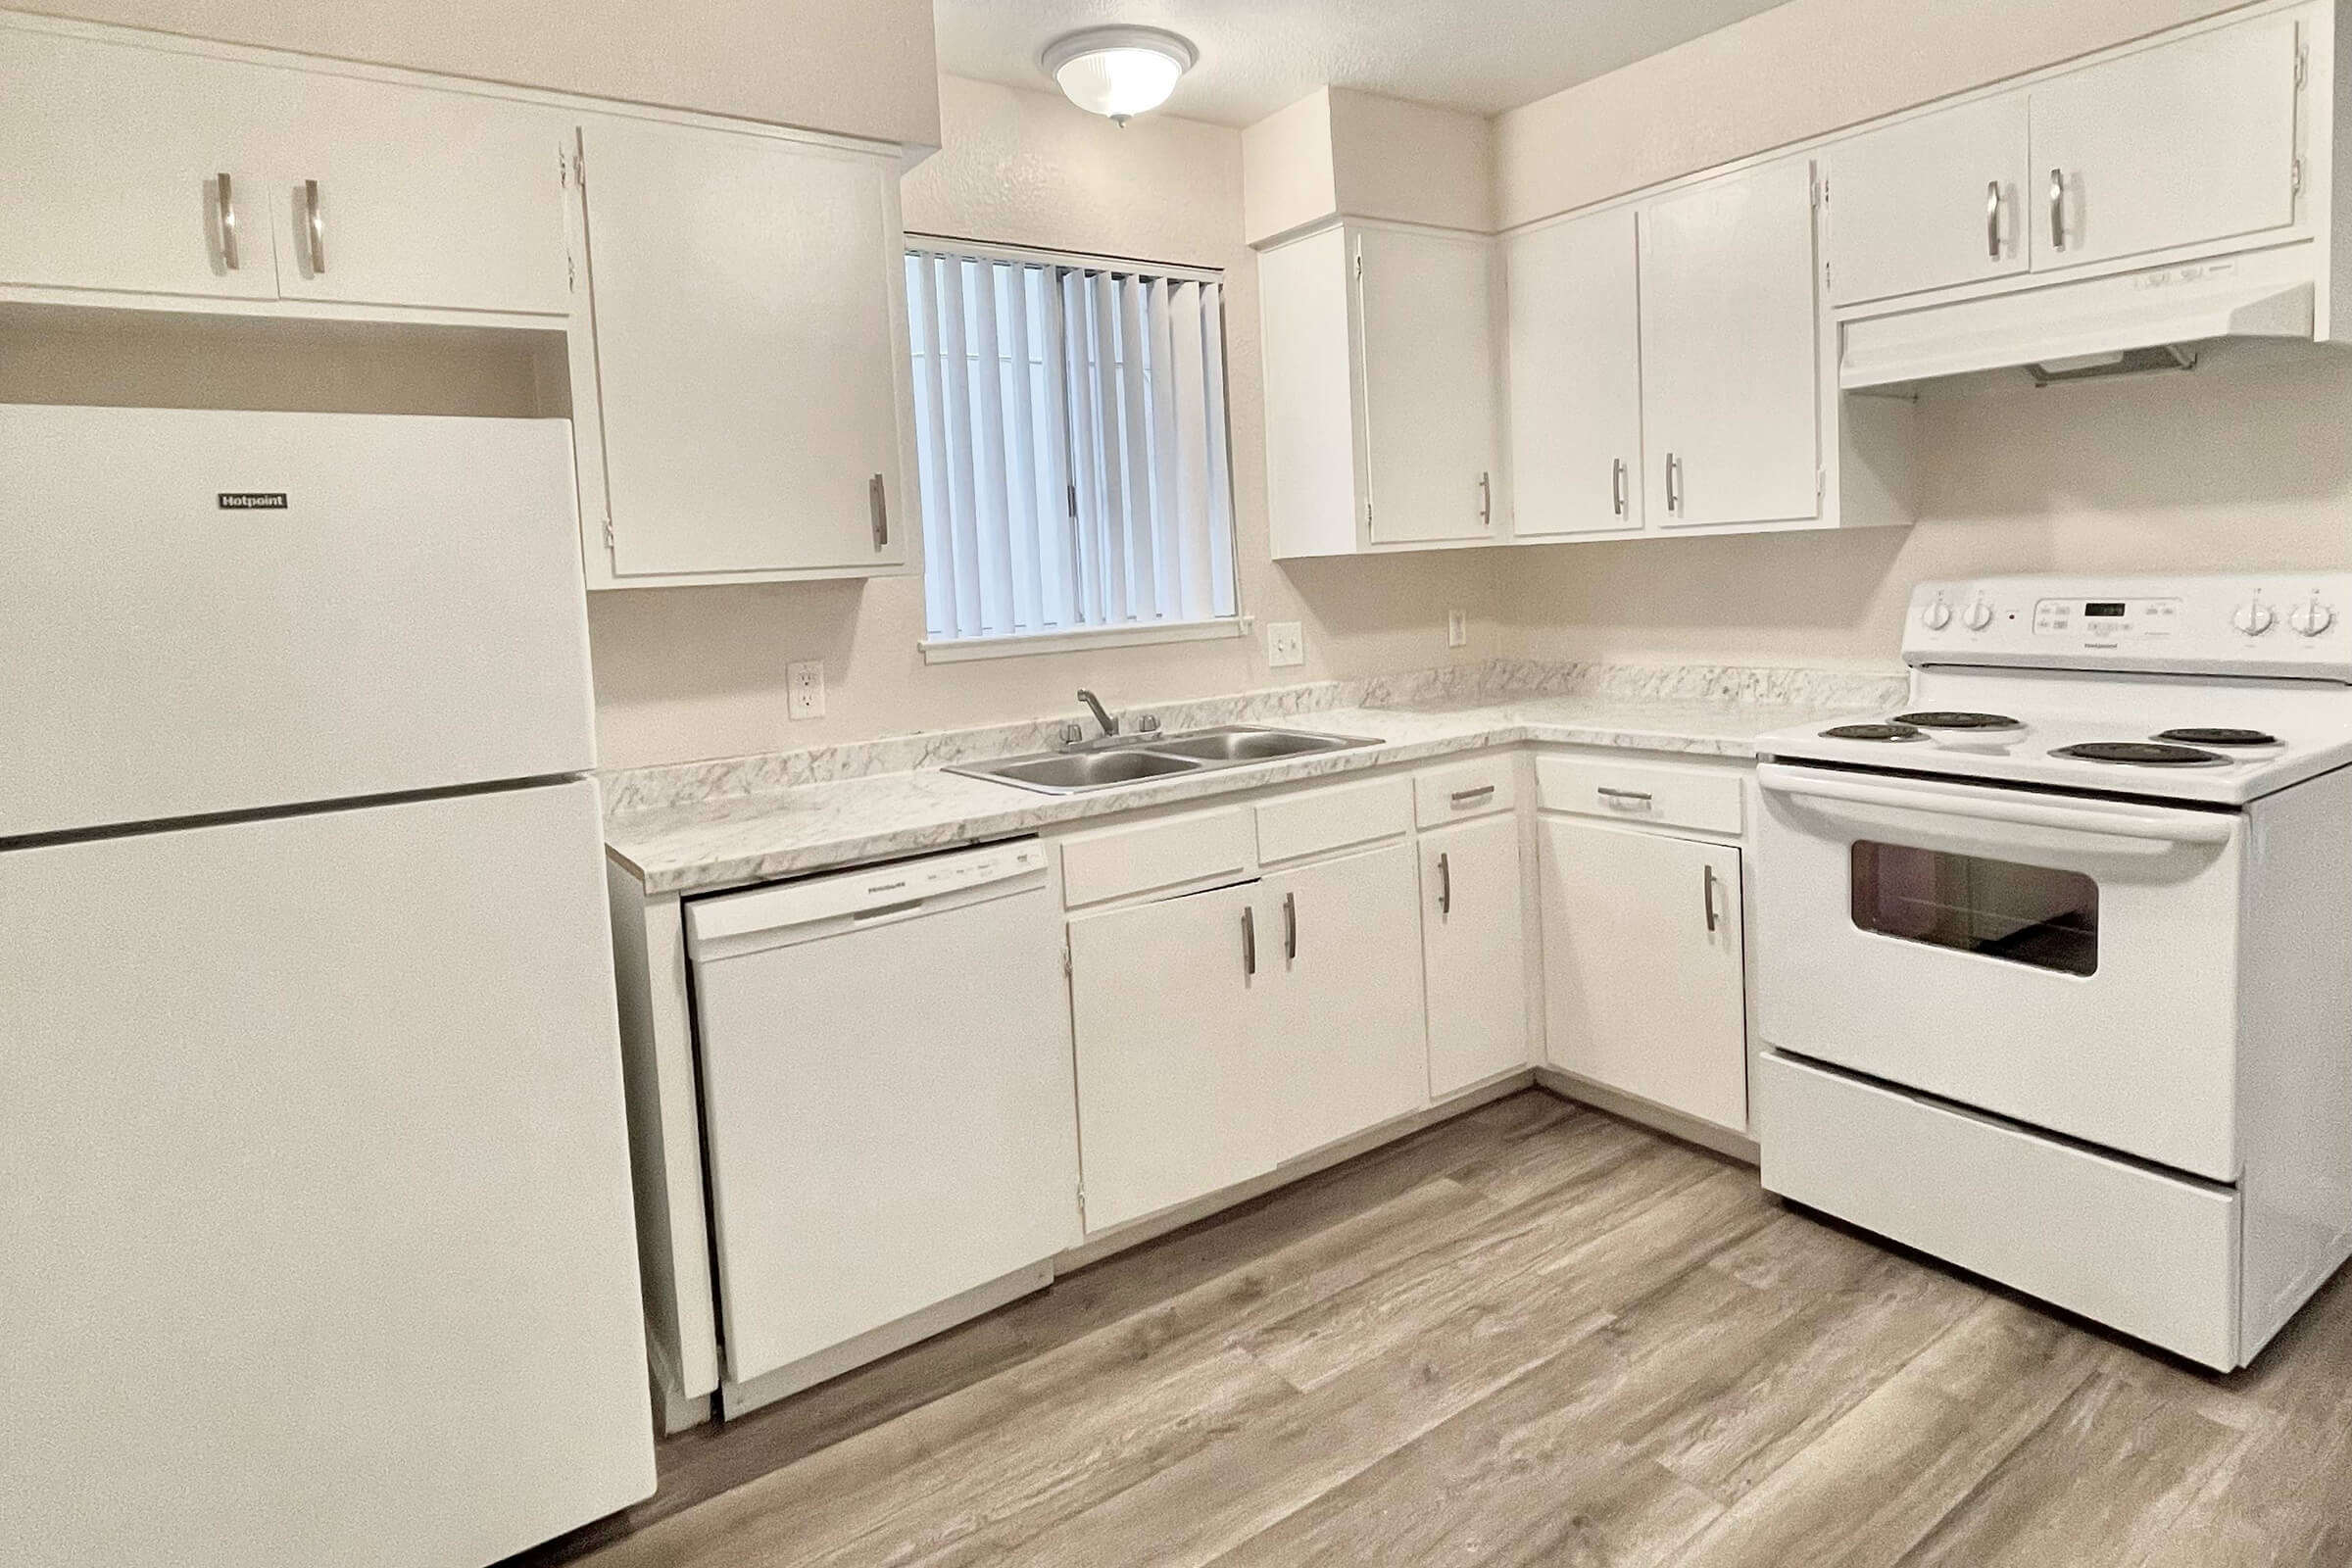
(1532, 1335)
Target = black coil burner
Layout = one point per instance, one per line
(1872, 732)
(2141, 753)
(1958, 720)
(2218, 737)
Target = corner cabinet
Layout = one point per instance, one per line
(1668, 371)
(748, 358)
(1382, 391)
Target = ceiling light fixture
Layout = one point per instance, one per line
(1118, 72)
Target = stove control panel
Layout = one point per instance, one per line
(2291, 624)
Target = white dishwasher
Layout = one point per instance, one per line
(889, 1106)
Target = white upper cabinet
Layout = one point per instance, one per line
(2183, 144)
(396, 195)
(750, 354)
(1929, 203)
(1731, 404)
(1382, 391)
(1425, 324)
(117, 164)
(1575, 376)
(149, 172)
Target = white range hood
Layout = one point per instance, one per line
(2088, 325)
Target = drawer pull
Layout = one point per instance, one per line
(1484, 792)
(1624, 799)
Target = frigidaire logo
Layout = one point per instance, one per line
(252, 501)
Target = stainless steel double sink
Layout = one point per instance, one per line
(1134, 760)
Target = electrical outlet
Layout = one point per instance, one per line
(1457, 629)
(1286, 644)
(805, 681)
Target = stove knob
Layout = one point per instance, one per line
(2311, 619)
(1937, 615)
(2254, 618)
(1979, 617)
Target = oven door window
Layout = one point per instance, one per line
(2026, 915)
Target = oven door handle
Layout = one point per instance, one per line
(2173, 827)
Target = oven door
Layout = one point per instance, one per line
(2067, 962)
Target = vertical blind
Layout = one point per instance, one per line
(1071, 417)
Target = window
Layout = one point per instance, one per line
(1070, 419)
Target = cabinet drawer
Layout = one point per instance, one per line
(2154, 1256)
(1641, 792)
(1118, 861)
(1318, 821)
(1463, 790)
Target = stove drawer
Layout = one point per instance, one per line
(2152, 1255)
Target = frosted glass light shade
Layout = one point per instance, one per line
(1118, 72)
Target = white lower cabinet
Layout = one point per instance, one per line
(1474, 947)
(1173, 1083)
(1339, 989)
(1643, 978)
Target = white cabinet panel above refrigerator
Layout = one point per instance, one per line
(206, 612)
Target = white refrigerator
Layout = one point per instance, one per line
(315, 1217)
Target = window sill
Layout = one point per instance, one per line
(963, 649)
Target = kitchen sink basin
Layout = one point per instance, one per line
(1138, 759)
(1238, 744)
(1066, 772)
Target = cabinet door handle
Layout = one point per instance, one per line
(878, 503)
(1445, 884)
(2057, 209)
(225, 192)
(1706, 888)
(1486, 500)
(1617, 486)
(1674, 481)
(1290, 926)
(1249, 940)
(1993, 219)
(315, 222)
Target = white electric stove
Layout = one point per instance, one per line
(2055, 960)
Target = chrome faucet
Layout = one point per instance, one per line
(1111, 725)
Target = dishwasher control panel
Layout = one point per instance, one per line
(864, 892)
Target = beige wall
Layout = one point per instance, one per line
(2236, 466)
(1800, 69)
(862, 69)
(700, 672)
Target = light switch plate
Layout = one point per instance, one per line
(1286, 644)
(805, 681)
(1457, 629)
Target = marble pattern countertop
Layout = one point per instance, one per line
(698, 826)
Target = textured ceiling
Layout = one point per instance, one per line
(1485, 56)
